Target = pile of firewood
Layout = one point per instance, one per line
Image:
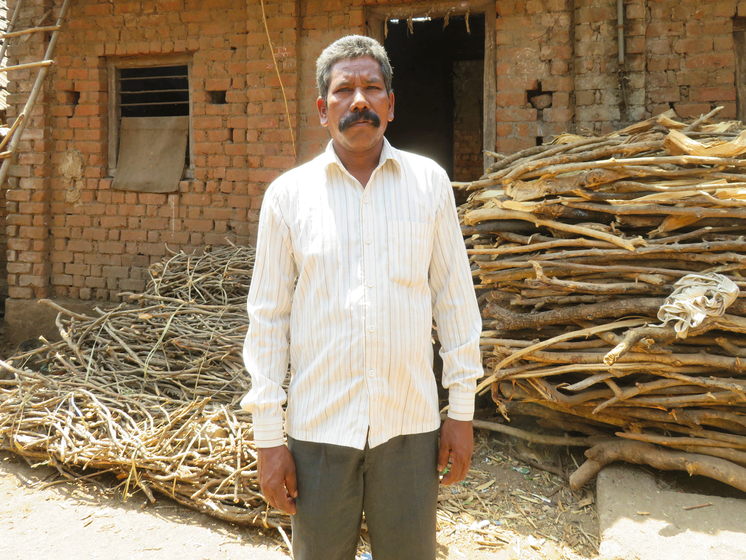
(149, 391)
(575, 247)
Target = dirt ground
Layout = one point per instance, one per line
(507, 509)
(44, 516)
(503, 510)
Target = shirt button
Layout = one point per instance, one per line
(371, 328)
(368, 240)
(371, 373)
(365, 200)
(370, 284)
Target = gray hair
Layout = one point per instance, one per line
(346, 48)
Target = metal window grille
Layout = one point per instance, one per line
(160, 91)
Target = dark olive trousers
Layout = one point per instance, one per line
(395, 484)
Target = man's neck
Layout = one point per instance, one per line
(359, 165)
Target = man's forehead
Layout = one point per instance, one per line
(364, 66)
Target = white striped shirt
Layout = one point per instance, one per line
(374, 266)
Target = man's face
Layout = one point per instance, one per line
(357, 108)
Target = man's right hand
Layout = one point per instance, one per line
(277, 479)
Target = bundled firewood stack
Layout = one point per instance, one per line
(575, 247)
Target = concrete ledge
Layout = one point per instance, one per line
(638, 520)
(25, 318)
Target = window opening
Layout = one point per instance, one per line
(148, 89)
(161, 91)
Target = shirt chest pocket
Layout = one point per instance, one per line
(410, 247)
(317, 240)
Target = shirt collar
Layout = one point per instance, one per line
(388, 153)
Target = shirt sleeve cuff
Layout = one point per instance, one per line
(268, 432)
(460, 404)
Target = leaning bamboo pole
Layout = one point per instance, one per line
(9, 29)
(31, 101)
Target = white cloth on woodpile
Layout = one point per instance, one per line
(696, 297)
(374, 266)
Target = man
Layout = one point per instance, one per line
(357, 252)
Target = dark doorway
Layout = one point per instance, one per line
(438, 84)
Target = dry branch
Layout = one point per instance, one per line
(150, 391)
(617, 221)
(647, 454)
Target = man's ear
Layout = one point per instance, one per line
(323, 115)
(390, 114)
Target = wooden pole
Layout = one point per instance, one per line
(27, 65)
(43, 71)
(28, 31)
(11, 25)
(19, 119)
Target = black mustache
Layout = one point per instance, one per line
(357, 116)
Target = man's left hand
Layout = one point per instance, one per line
(456, 445)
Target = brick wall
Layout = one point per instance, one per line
(27, 195)
(99, 242)
(677, 54)
(71, 235)
(534, 58)
(598, 96)
(689, 46)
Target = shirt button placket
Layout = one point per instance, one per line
(369, 271)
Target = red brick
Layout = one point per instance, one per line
(509, 99)
(693, 45)
(711, 61)
(154, 224)
(29, 232)
(17, 195)
(97, 10)
(662, 29)
(195, 200)
(95, 282)
(77, 220)
(516, 114)
(558, 114)
(155, 249)
(77, 269)
(80, 246)
(207, 122)
(279, 162)
(130, 235)
(689, 110)
(32, 281)
(110, 222)
(156, 199)
(716, 94)
(236, 175)
(20, 292)
(198, 225)
(18, 268)
(218, 213)
(31, 208)
(111, 247)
